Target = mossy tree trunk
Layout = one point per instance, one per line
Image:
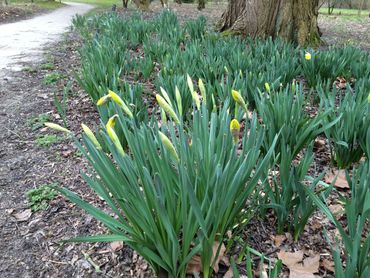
(142, 4)
(201, 4)
(292, 20)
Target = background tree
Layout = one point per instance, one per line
(201, 4)
(293, 20)
(142, 4)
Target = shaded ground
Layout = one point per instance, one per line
(30, 242)
(20, 11)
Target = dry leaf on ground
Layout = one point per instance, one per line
(23, 216)
(278, 240)
(339, 176)
(116, 245)
(328, 265)
(195, 263)
(298, 266)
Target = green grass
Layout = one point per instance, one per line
(352, 12)
(38, 121)
(43, 4)
(52, 78)
(39, 197)
(47, 140)
(101, 3)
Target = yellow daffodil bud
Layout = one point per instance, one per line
(165, 95)
(112, 134)
(368, 98)
(196, 99)
(57, 127)
(168, 145)
(239, 99)
(178, 100)
(190, 83)
(308, 56)
(167, 108)
(202, 90)
(267, 87)
(91, 136)
(226, 70)
(116, 98)
(235, 130)
(103, 100)
(294, 88)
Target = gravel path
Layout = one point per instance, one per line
(23, 41)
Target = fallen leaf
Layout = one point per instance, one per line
(229, 273)
(116, 245)
(319, 144)
(339, 177)
(23, 216)
(279, 239)
(195, 263)
(328, 265)
(298, 266)
(337, 210)
(290, 259)
(194, 266)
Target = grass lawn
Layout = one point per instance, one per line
(352, 12)
(43, 4)
(100, 3)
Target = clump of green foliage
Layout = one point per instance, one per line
(38, 121)
(47, 140)
(38, 198)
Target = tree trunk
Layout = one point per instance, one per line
(201, 4)
(292, 20)
(142, 4)
(125, 3)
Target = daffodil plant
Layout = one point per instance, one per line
(175, 192)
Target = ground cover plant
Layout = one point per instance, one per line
(196, 139)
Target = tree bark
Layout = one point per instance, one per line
(292, 20)
(201, 4)
(142, 4)
(125, 3)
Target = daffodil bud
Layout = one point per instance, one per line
(167, 108)
(116, 98)
(239, 99)
(103, 100)
(225, 69)
(267, 87)
(190, 83)
(308, 56)
(235, 130)
(368, 98)
(168, 146)
(165, 95)
(202, 90)
(57, 127)
(294, 88)
(91, 136)
(178, 100)
(112, 134)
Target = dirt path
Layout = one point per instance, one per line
(22, 41)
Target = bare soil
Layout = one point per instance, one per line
(14, 13)
(31, 242)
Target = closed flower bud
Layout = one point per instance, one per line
(368, 98)
(168, 146)
(91, 136)
(267, 87)
(239, 99)
(235, 130)
(116, 98)
(178, 100)
(112, 134)
(167, 108)
(202, 90)
(103, 100)
(307, 56)
(57, 127)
